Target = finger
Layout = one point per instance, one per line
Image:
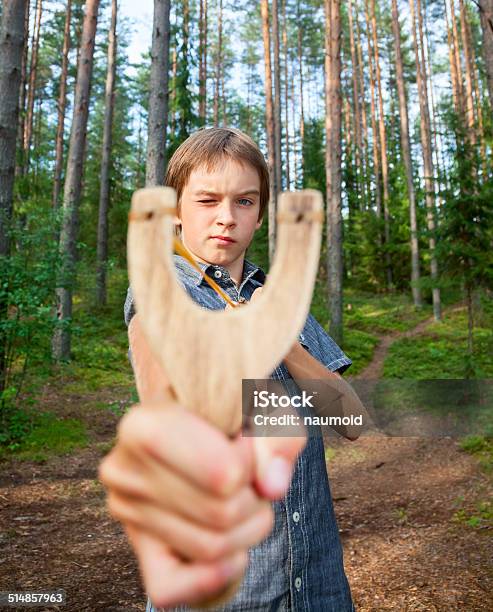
(185, 443)
(275, 460)
(187, 500)
(170, 581)
(187, 539)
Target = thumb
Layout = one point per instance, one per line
(274, 463)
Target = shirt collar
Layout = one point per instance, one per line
(250, 270)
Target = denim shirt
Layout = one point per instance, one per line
(299, 566)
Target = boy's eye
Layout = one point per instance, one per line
(248, 202)
(206, 201)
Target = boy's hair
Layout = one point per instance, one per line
(209, 146)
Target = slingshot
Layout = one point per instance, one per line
(206, 354)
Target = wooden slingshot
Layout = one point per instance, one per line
(206, 354)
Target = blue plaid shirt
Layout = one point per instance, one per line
(299, 566)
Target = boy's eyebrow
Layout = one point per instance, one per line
(206, 192)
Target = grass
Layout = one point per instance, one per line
(441, 350)
(481, 516)
(50, 435)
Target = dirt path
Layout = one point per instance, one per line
(374, 369)
(394, 499)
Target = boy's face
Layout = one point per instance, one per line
(219, 212)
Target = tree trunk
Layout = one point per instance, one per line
(458, 67)
(217, 91)
(104, 194)
(478, 106)
(406, 155)
(383, 147)
(486, 13)
(61, 105)
(12, 43)
(19, 166)
(375, 135)
(203, 62)
(293, 123)
(269, 121)
(434, 114)
(277, 95)
(364, 120)
(333, 102)
(302, 110)
(174, 71)
(28, 128)
(286, 89)
(158, 95)
(453, 65)
(356, 103)
(73, 183)
(470, 123)
(427, 159)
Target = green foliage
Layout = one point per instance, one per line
(27, 290)
(314, 156)
(440, 352)
(48, 435)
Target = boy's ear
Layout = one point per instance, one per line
(259, 224)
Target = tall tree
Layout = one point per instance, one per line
(73, 183)
(468, 73)
(406, 156)
(269, 124)
(286, 91)
(12, 41)
(383, 145)
(300, 66)
(158, 95)
(203, 62)
(453, 65)
(458, 66)
(427, 153)
(19, 168)
(486, 13)
(104, 194)
(61, 104)
(219, 61)
(356, 99)
(28, 128)
(277, 94)
(333, 154)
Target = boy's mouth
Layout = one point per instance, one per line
(223, 239)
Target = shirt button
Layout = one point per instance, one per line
(297, 583)
(218, 273)
(296, 516)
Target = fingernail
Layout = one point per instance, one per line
(278, 475)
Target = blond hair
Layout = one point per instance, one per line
(208, 147)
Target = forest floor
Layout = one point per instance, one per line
(410, 513)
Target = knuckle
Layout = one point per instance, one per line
(212, 547)
(222, 515)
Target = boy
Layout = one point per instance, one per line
(169, 493)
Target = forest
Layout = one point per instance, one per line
(385, 107)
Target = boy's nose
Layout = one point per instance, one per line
(225, 215)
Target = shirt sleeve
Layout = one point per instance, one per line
(318, 342)
(128, 308)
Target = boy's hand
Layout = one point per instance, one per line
(182, 490)
(186, 494)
